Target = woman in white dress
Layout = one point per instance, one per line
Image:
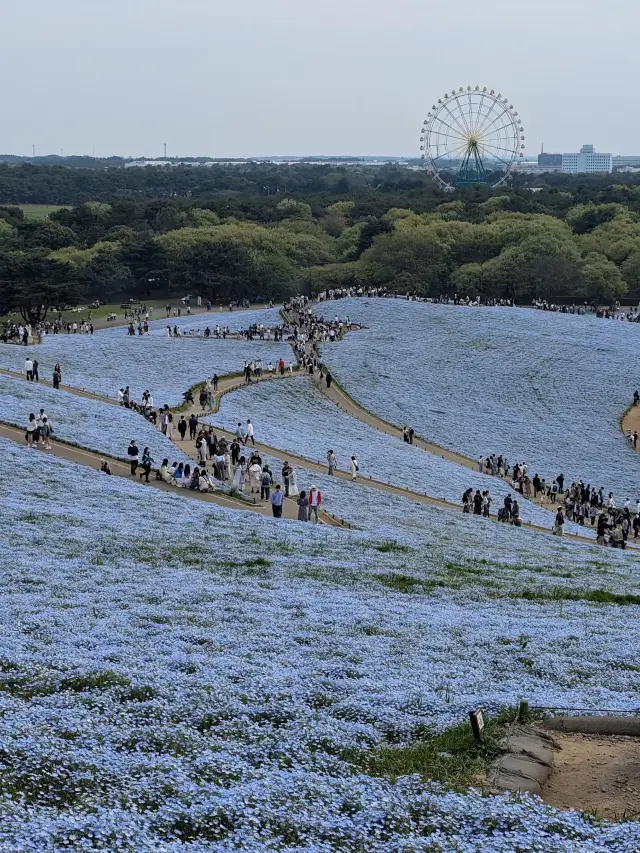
(240, 475)
(170, 426)
(293, 484)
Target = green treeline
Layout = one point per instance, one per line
(270, 231)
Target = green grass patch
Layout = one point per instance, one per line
(391, 546)
(400, 583)
(40, 211)
(561, 593)
(452, 757)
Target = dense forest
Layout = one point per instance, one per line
(266, 230)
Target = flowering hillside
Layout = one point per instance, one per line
(177, 677)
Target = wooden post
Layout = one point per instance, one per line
(477, 723)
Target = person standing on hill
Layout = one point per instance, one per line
(332, 462)
(303, 507)
(353, 469)
(315, 501)
(265, 484)
(182, 427)
(28, 368)
(35, 370)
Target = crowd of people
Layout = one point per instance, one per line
(19, 333)
(582, 504)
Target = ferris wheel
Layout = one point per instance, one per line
(475, 135)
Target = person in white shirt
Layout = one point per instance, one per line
(249, 433)
(353, 469)
(28, 367)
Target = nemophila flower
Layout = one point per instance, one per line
(525, 383)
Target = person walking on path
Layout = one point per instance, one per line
(249, 433)
(193, 427)
(28, 368)
(265, 484)
(215, 382)
(36, 375)
(134, 454)
(559, 525)
(328, 379)
(57, 376)
(147, 460)
(239, 434)
(353, 469)
(315, 501)
(182, 427)
(332, 462)
(303, 507)
(277, 499)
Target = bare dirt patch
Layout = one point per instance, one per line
(596, 773)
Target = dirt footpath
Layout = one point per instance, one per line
(596, 773)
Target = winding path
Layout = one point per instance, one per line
(231, 383)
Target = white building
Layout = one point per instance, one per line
(626, 161)
(587, 160)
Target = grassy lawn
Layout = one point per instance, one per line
(99, 315)
(40, 211)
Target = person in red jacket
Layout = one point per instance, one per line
(315, 501)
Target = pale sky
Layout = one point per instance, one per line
(274, 77)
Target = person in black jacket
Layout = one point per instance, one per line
(134, 454)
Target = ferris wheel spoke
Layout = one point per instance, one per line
(460, 133)
(478, 114)
(494, 156)
(452, 153)
(499, 148)
(462, 130)
(498, 129)
(448, 135)
(491, 117)
(463, 116)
